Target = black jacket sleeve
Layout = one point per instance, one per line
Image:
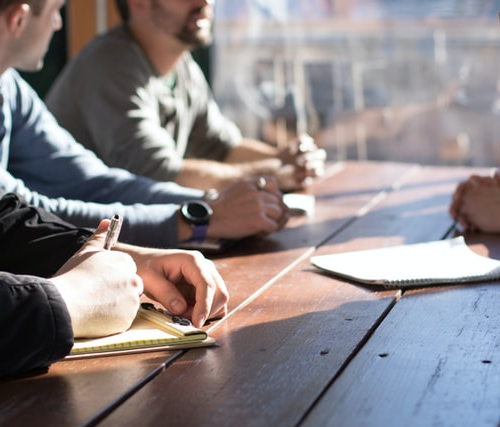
(35, 326)
(34, 323)
(34, 241)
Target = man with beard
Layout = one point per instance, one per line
(136, 97)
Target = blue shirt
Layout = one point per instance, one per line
(44, 164)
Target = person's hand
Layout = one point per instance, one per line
(457, 207)
(185, 282)
(251, 206)
(100, 288)
(301, 162)
(476, 204)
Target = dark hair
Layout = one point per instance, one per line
(35, 5)
(122, 7)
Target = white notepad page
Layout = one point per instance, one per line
(442, 261)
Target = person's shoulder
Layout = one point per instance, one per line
(9, 83)
(115, 36)
(10, 74)
(11, 78)
(111, 56)
(108, 47)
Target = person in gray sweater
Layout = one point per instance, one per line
(135, 96)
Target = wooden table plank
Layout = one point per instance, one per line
(74, 391)
(433, 361)
(280, 351)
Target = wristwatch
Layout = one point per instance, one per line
(197, 214)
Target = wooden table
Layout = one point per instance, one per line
(300, 348)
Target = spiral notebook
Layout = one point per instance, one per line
(153, 329)
(438, 262)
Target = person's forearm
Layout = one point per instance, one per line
(149, 225)
(250, 150)
(207, 174)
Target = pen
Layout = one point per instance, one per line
(113, 232)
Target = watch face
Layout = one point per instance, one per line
(196, 212)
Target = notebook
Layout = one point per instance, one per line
(153, 329)
(438, 262)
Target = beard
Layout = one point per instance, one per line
(194, 37)
(202, 37)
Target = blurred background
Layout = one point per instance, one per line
(403, 80)
(399, 80)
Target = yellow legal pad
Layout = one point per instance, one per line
(153, 329)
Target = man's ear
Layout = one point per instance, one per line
(17, 18)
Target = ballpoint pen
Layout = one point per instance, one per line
(113, 232)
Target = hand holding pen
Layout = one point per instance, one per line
(101, 288)
(113, 232)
